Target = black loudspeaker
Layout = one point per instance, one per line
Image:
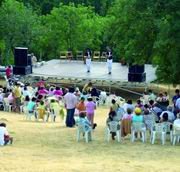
(20, 56)
(137, 77)
(22, 70)
(136, 69)
(29, 59)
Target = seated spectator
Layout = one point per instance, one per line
(58, 92)
(149, 119)
(26, 92)
(77, 93)
(171, 116)
(157, 110)
(137, 117)
(85, 123)
(152, 96)
(127, 115)
(128, 105)
(4, 136)
(139, 104)
(160, 98)
(81, 105)
(114, 106)
(177, 121)
(112, 117)
(42, 91)
(126, 123)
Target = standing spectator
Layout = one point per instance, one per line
(176, 96)
(17, 97)
(178, 105)
(70, 104)
(90, 108)
(8, 72)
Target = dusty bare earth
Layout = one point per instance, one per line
(45, 147)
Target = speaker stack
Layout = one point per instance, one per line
(136, 73)
(22, 61)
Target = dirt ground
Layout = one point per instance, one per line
(44, 147)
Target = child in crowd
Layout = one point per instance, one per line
(54, 109)
(41, 108)
(4, 136)
(31, 106)
(90, 108)
(81, 105)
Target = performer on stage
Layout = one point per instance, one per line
(88, 59)
(109, 60)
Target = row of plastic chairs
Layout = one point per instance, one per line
(157, 130)
(97, 55)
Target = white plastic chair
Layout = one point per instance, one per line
(159, 129)
(7, 106)
(176, 134)
(138, 127)
(113, 127)
(87, 133)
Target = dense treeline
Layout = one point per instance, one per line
(139, 31)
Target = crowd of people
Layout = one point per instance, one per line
(44, 100)
(149, 109)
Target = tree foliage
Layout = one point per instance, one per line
(138, 31)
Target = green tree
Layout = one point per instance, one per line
(17, 25)
(71, 27)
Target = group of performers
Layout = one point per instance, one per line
(109, 57)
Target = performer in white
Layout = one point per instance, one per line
(109, 60)
(88, 59)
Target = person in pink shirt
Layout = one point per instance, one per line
(58, 92)
(90, 108)
(42, 91)
(8, 72)
(128, 115)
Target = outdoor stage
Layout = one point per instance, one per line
(76, 71)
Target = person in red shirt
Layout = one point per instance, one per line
(8, 72)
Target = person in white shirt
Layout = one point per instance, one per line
(4, 135)
(88, 59)
(70, 104)
(171, 116)
(128, 105)
(177, 121)
(178, 104)
(109, 60)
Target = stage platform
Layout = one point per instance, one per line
(76, 71)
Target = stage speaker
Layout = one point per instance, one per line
(20, 56)
(136, 69)
(22, 70)
(29, 59)
(137, 77)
